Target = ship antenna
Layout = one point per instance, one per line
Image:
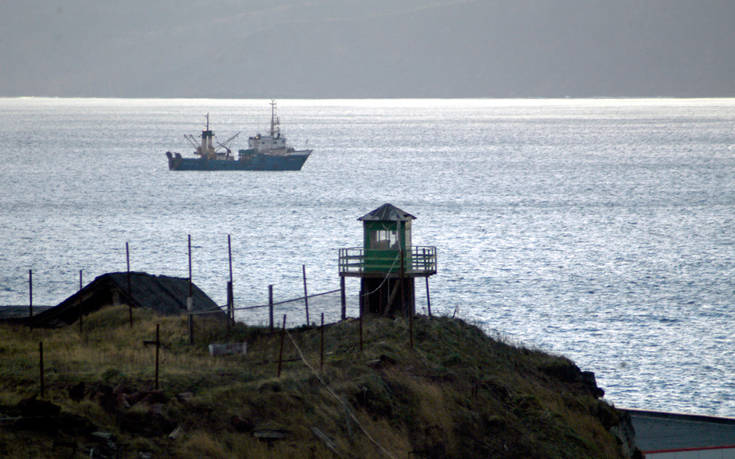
(273, 117)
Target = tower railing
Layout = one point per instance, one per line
(356, 261)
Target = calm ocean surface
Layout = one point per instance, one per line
(603, 230)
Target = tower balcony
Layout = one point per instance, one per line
(419, 261)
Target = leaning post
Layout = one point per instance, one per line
(306, 294)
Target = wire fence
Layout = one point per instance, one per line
(328, 303)
(300, 311)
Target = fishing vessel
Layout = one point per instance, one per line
(264, 153)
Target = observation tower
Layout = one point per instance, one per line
(387, 263)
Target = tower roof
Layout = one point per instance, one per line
(387, 212)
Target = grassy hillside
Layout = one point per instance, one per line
(456, 393)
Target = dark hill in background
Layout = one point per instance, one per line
(334, 48)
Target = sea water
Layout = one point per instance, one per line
(603, 230)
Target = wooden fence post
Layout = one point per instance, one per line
(230, 291)
(321, 345)
(280, 353)
(189, 300)
(30, 293)
(40, 356)
(428, 297)
(130, 295)
(306, 295)
(270, 306)
(157, 342)
(407, 307)
(79, 305)
(343, 296)
(404, 306)
(158, 346)
(410, 328)
(230, 307)
(189, 307)
(362, 302)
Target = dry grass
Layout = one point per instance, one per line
(457, 393)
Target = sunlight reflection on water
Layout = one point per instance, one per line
(597, 229)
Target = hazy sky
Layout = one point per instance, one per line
(377, 48)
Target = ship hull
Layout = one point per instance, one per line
(254, 162)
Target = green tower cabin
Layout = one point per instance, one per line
(387, 263)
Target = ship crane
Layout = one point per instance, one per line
(191, 140)
(226, 143)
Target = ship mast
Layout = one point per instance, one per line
(207, 147)
(274, 120)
